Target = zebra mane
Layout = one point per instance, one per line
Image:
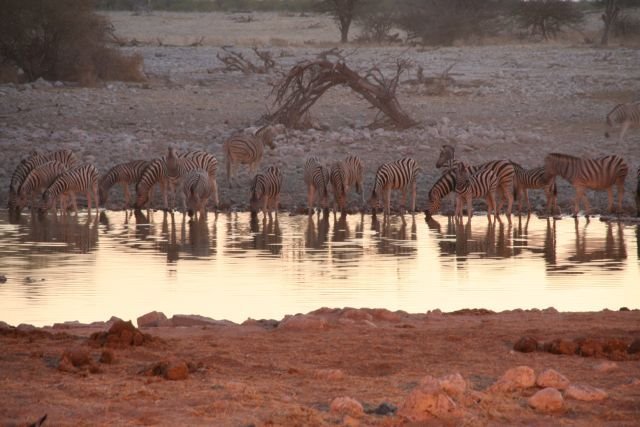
(563, 156)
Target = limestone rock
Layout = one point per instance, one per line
(547, 400)
(526, 345)
(301, 322)
(152, 319)
(426, 401)
(585, 393)
(197, 320)
(561, 346)
(517, 378)
(606, 366)
(453, 384)
(329, 374)
(552, 378)
(346, 406)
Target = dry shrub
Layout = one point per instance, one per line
(9, 73)
(62, 40)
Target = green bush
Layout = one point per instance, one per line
(62, 40)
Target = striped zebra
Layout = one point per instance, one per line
(179, 165)
(482, 183)
(36, 159)
(534, 179)
(197, 190)
(315, 178)
(40, 178)
(83, 179)
(594, 174)
(344, 174)
(502, 168)
(625, 115)
(248, 149)
(442, 187)
(157, 173)
(638, 195)
(397, 175)
(124, 174)
(265, 191)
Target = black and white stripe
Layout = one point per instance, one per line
(265, 191)
(482, 183)
(624, 115)
(82, 179)
(533, 179)
(247, 149)
(197, 189)
(36, 159)
(315, 178)
(40, 178)
(345, 174)
(594, 174)
(124, 174)
(502, 168)
(442, 187)
(397, 175)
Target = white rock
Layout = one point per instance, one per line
(517, 378)
(552, 378)
(346, 406)
(585, 393)
(546, 400)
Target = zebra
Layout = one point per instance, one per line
(33, 160)
(343, 175)
(197, 190)
(123, 174)
(638, 195)
(265, 191)
(442, 187)
(594, 174)
(534, 179)
(157, 173)
(397, 175)
(83, 178)
(315, 178)
(502, 168)
(623, 114)
(248, 149)
(482, 183)
(178, 165)
(40, 178)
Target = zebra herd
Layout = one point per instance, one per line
(193, 174)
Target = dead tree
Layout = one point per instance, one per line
(611, 12)
(308, 80)
(235, 61)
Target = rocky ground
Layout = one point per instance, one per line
(329, 367)
(507, 101)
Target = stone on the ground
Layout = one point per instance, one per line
(517, 378)
(197, 320)
(453, 384)
(634, 347)
(346, 406)
(152, 319)
(552, 378)
(302, 322)
(585, 393)
(329, 374)
(426, 401)
(561, 346)
(546, 400)
(526, 345)
(606, 366)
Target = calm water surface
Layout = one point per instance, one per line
(230, 267)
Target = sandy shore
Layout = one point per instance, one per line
(329, 367)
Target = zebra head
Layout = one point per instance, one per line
(462, 174)
(447, 153)
(47, 201)
(433, 207)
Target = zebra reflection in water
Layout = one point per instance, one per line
(392, 239)
(317, 237)
(612, 248)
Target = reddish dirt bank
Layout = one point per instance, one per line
(342, 366)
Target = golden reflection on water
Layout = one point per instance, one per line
(233, 266)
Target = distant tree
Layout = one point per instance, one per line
(609, 17)
(62, 40)
(547, 17)
(343, 12)
(377, 18)
(441, 22)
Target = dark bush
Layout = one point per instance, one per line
(547, 17)
(377, 18)
(442, 22)
(62, 40)
(627, 25)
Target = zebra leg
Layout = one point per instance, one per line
(127, 195)
(509, 196)
(228, 164)
(469, 207)
(310, 191)
(403, 201)
(387, 201)
(610, 198)
(526, 199)
(413, 197)
(620, 194)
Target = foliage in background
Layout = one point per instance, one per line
(442, 22)
(547, 17)
(62, 40)
(343, 12)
